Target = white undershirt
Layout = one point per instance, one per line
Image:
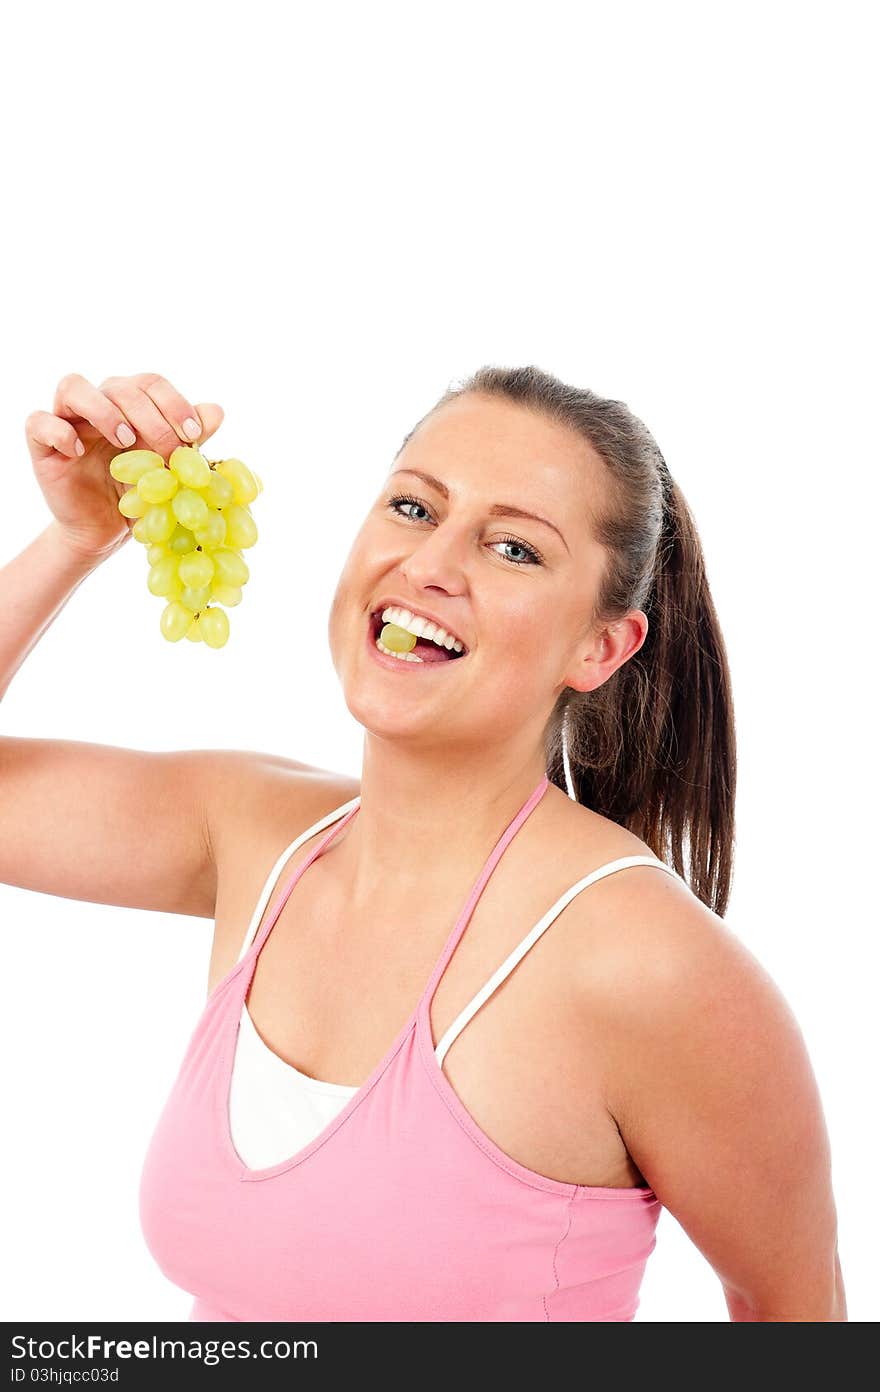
(274, 1109)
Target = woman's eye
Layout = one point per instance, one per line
(396, 505)
(412, 502)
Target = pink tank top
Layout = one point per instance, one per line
(400, 1209)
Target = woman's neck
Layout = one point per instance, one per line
(418, 833)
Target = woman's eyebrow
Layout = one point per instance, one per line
(496, 510)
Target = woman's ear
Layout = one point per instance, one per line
(601, 654)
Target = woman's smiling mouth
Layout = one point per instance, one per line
(425, 654)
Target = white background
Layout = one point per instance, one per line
(319, 217)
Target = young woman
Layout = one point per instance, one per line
(473, 1018)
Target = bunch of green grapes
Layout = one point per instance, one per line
(193, 515)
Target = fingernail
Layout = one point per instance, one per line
(80, 447)
(125, 434)
(192, 428)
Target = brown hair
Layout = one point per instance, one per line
(652, 748)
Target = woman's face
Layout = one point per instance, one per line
(519, 592)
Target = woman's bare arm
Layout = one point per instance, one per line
(712, 1089)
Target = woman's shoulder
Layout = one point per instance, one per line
(261, 797)
(656, 970)
(261, 804)
(593, 841)
(642, 927)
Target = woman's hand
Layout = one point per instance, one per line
(71, 448)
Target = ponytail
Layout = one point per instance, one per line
(654, 748)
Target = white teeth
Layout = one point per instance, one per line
(422, 628)
(401, 657)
